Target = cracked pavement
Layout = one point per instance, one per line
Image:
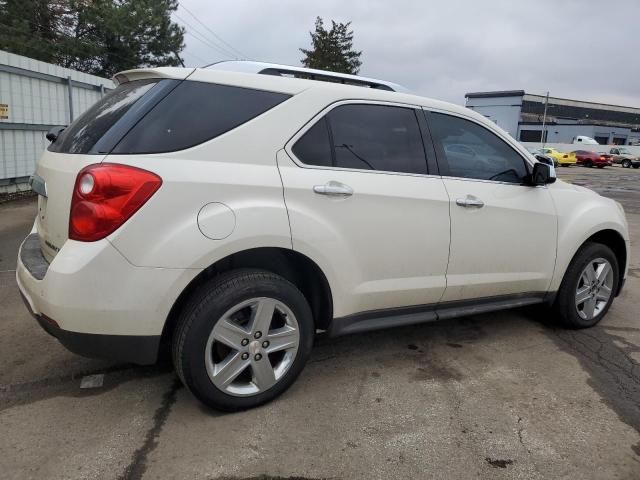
(503, 395)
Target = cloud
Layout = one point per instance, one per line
(584, 49)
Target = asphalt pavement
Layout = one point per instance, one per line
(501, 395)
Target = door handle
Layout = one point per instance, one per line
(470, 202)
(335, 189)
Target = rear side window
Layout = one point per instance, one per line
(472, 151)
(365, 137)
(90, 127)
(314, 147)
(195, 112)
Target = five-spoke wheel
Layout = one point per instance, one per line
(594, 288)
(252, 346)
(242, 339)
(588, 287)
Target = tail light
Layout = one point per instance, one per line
(105, 196)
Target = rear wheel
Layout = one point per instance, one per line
(588, 286)
(243, 339)
(626, 163)
(588, 163)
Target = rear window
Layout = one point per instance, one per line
(156, 116)
(196, 112)
(92, 125)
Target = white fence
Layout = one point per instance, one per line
(35, 96)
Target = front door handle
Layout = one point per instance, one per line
(470, 202)
(335, 189)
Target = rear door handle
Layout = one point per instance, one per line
(335, 189)
(470, 202)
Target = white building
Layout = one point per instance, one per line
(521, 114)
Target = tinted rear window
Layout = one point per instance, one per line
(195, 112)
(314, 147)
(91, 126)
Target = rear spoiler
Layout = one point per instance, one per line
(143, 73)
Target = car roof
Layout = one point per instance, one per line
(279, 70)
(295, 85)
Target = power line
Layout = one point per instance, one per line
(195, 33)
(197, 57)
(224, 42)
(191, 34)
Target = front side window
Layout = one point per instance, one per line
(472, 151)
(365, 137)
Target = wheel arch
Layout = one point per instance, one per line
(612, 239)
(296, 267)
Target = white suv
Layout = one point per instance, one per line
(234, 211)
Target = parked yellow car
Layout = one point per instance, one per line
(561, 158)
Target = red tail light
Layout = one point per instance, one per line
(105, 196)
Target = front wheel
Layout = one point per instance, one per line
(588, 286)
(243, 339)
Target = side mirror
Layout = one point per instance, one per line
(54, 132)
(542, 174)
(544, 159)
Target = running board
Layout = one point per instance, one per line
(396, 317)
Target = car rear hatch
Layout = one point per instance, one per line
(87, 141)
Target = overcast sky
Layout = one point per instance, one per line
(581, 49)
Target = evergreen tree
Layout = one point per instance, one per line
(100, 37)
(332, 49)
(29, 28)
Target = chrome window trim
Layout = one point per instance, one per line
(513, 184)
(288, 147)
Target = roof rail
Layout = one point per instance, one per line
(304, 73)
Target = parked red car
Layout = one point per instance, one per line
(592, 159)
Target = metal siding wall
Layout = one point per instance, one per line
(37, 101)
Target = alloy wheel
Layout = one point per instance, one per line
(594, 289)
(252, 346)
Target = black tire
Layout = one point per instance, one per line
(588, 164)
(626, 163)
(637, 165)
(565, 305)
(206, 307)
(600, 166)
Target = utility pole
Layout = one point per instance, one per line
(544, 120)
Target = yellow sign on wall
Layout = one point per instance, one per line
(4, 111)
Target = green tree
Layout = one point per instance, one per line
(332, 49)
(100, 37)
(29, 28)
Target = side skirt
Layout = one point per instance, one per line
(396, 317)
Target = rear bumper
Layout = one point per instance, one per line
(139, 349)
(95, 302)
